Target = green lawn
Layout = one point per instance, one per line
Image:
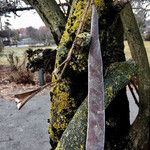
(19, 51)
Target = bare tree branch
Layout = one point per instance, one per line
(7, 10)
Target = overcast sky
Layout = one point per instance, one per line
(26, 19)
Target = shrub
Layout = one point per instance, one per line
(20, 74)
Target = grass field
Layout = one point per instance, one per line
(19, 51)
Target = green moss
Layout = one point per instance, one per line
(83, 39)
(73, 21)
(77, 124)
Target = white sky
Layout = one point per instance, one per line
(26, 19)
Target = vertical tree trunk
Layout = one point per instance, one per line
(68, 94)
(1, 42)
(139, 132)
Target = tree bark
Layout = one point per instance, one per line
(74, 136)
(67, 96)
(51, 15)
(117, 113)
(139, 132)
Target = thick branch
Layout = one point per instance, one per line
(118, 76)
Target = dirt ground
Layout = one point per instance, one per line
(8, 88)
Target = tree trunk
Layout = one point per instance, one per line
(117, 113)
(67, 96)
(51, 15)
(139, 132)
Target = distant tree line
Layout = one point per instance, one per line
(12, 36)
(41, 35)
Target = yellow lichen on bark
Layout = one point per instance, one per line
(61, 103)
(73, 20)
(68, 94)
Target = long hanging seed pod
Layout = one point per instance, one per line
(96, 113)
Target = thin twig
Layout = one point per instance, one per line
(20, 103)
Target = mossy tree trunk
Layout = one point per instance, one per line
(70, 92)
(117, 113)
(74, 137)
(67, 96)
